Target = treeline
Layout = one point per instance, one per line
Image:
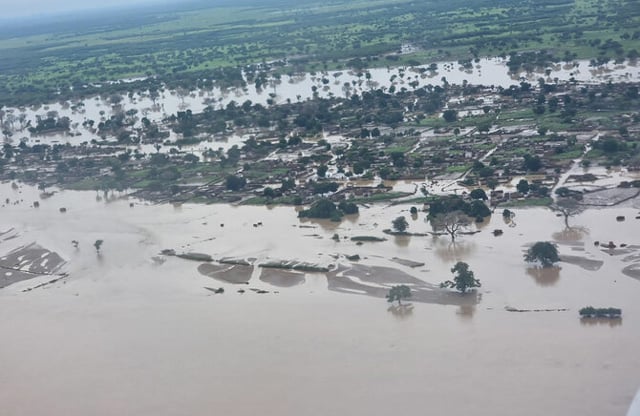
(315, 37)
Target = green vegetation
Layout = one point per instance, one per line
(400, 224)
(367, 238)
(529, 202)
(204, 43)
(463, 278)
(452, 222)
(398, 293)
(324, 208)
(98, 244)
(591, 312)
(446, 204)
(542, 252)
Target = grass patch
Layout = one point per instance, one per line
(528, 202)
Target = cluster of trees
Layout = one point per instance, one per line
(447, 204)
(452, 214)
(325, 209)
(49, 124)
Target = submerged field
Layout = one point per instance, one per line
(131, 330)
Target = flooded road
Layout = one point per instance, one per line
(132, 332)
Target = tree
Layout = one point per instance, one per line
(348, 208)
(478, 194)
(450, 115)
(544, 252)
(463, 278)
(568, 207)
(398, 293)
(400, 224)
(235, 183)
(322, 208)
(451, 222)
(532, 163)
(322, 171)
(523, 186)
(97, 245)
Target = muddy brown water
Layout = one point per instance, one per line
(128, 334)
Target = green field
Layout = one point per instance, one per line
(183, 46)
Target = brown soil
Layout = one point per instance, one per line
(236, 274)
(281, 278)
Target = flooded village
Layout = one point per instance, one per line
(188, 224)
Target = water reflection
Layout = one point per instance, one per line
(544, 276)
(611, 322)
(326, 225)
(449, 251)
(510, 219)
(466, 312)
(402, 240)
(484, 223)
(571, 234)
(401, 311)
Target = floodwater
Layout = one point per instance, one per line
(132, 332)
(488, 71)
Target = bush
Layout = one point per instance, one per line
(322, 208)
(591, 312)
(544, 252)
(348, 208)
(235, 183)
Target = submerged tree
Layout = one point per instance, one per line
(463, 278)
(398, 293)
(97, 245)
(544, 252)
(451, 223)
(400, 224)
(568, 207)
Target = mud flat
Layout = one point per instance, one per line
(408, 263)
(609, 197)
(632, 270)
(583, 262)
(28, 262)
(234, 274)
(294, 265)
(281, 278)
(375, 281)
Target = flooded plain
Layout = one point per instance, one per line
(127, 330)
(293, 88)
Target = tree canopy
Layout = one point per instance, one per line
(478, 194)
(398, 293)
(463, 278)
(235, 183)
(324, 208)
(544, 252)
(400, 224)
(447, 204)
(451, 223)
